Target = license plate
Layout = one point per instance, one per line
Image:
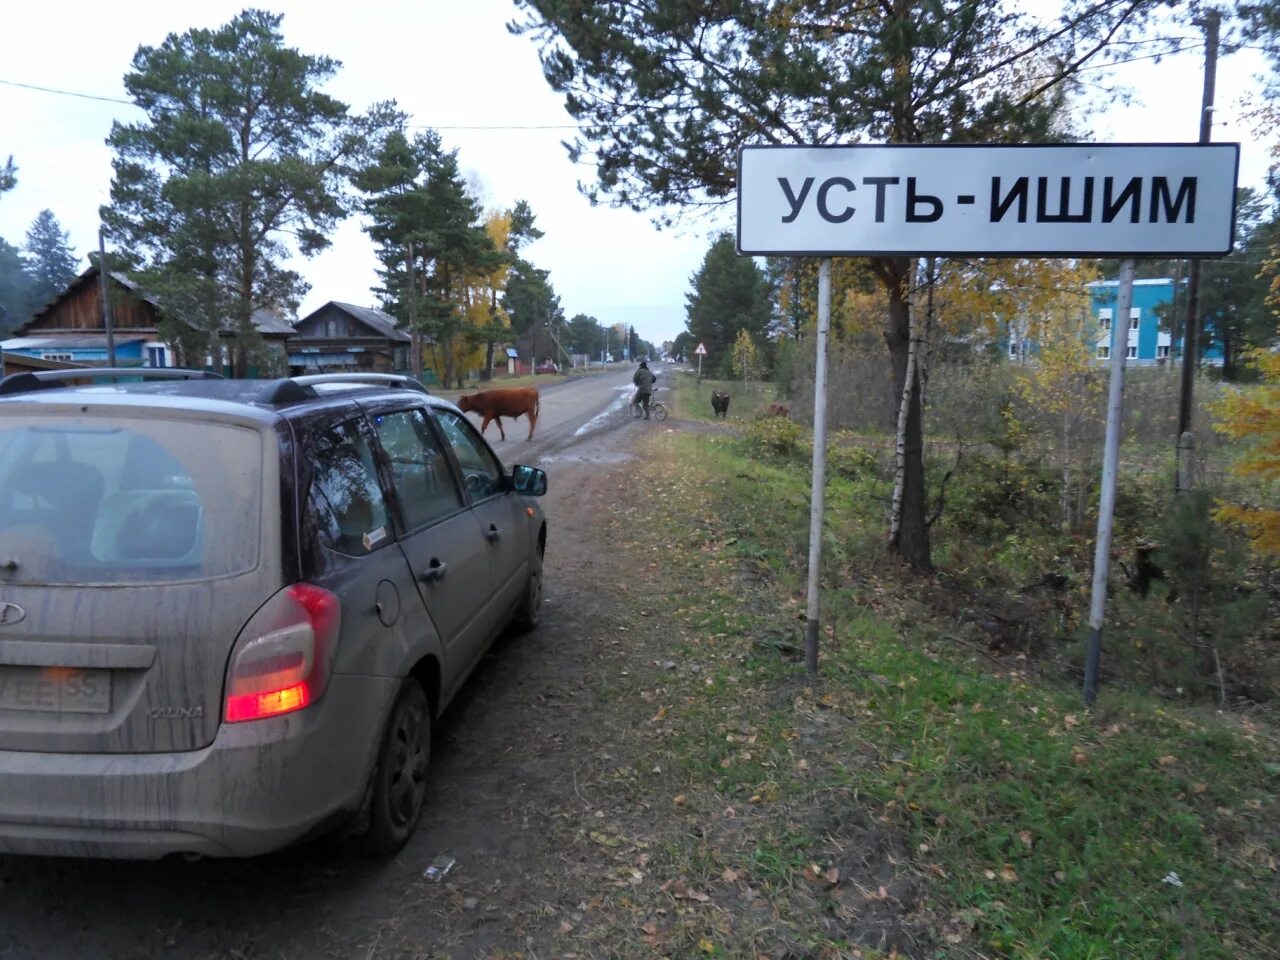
(55, 689)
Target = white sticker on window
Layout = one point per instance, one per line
(374, 537)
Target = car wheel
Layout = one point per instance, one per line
(530, 609)
(400, 775)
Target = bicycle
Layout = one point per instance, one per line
(657, 408)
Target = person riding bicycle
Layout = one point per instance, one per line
(644, 380)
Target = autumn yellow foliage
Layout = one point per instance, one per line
(1252, 416)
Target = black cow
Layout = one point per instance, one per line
(720, 403)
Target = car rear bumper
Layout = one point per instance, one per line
(258, 786)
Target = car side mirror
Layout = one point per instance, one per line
(531, 481)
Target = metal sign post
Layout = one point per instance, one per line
(818, 481)
(1107, 498)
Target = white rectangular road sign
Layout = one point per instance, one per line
(1003, 200)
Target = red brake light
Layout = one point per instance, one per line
(281, 661)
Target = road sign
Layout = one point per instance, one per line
(701, 351)
(993, 200)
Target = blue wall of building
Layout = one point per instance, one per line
(1148, 295)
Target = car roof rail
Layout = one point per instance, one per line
(295, 389)
(48, 379)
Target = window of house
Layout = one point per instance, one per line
(1104, 353)
(155, 357)
(56, 356)
(1162, 352)
(1135, 315)
(1104, 318)
(1013, 348)
(1132, 352)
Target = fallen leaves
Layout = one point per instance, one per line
(820, 876)
(679, 889)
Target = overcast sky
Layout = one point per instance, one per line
(453, 66)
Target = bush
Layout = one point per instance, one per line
(994, 497)
(775, 437)
(849, 460)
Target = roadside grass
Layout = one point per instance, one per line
(746, 400)
(922, 796)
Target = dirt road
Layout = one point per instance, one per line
(512, 773)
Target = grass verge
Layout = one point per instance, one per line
(921, 797)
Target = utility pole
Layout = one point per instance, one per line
(1191, 332)
(105, 287)
(415, 339)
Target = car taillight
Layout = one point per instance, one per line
(282, 660)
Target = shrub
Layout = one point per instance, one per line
(849, 460)
(775, 437)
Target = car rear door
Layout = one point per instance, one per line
(348, 544)
(440, 536)
(135, 542)
(502, 515)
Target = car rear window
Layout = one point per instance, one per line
(106, 500)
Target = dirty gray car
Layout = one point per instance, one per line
(230, 610)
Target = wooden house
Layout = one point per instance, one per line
(70, 328)
(342, 337)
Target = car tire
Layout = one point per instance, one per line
(530, 610)
(399, 786)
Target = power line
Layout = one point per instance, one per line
(66, 93)
(415, 126)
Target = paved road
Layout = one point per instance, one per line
(577, 421)
(499, 765)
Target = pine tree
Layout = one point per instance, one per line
(17, 294)
(240, 163)
(730, 294)
(428, 226)
(50, 261)
(8, 176)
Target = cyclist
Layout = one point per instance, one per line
(643, 380)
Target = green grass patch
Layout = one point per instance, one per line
(1024, 825)
(747, 400)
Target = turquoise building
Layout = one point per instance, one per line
(1148, 339)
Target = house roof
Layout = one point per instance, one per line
(383, 324)
(267, 321)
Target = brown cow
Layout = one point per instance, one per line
(779, 410)
(506, 402)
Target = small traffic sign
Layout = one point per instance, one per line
(701, 351)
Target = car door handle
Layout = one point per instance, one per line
(493, 533)
(434, 572)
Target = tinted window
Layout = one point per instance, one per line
(480, 468)
(106, 500)
(420, 468)
(345, 500)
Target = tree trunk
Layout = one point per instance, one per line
(909, 532)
